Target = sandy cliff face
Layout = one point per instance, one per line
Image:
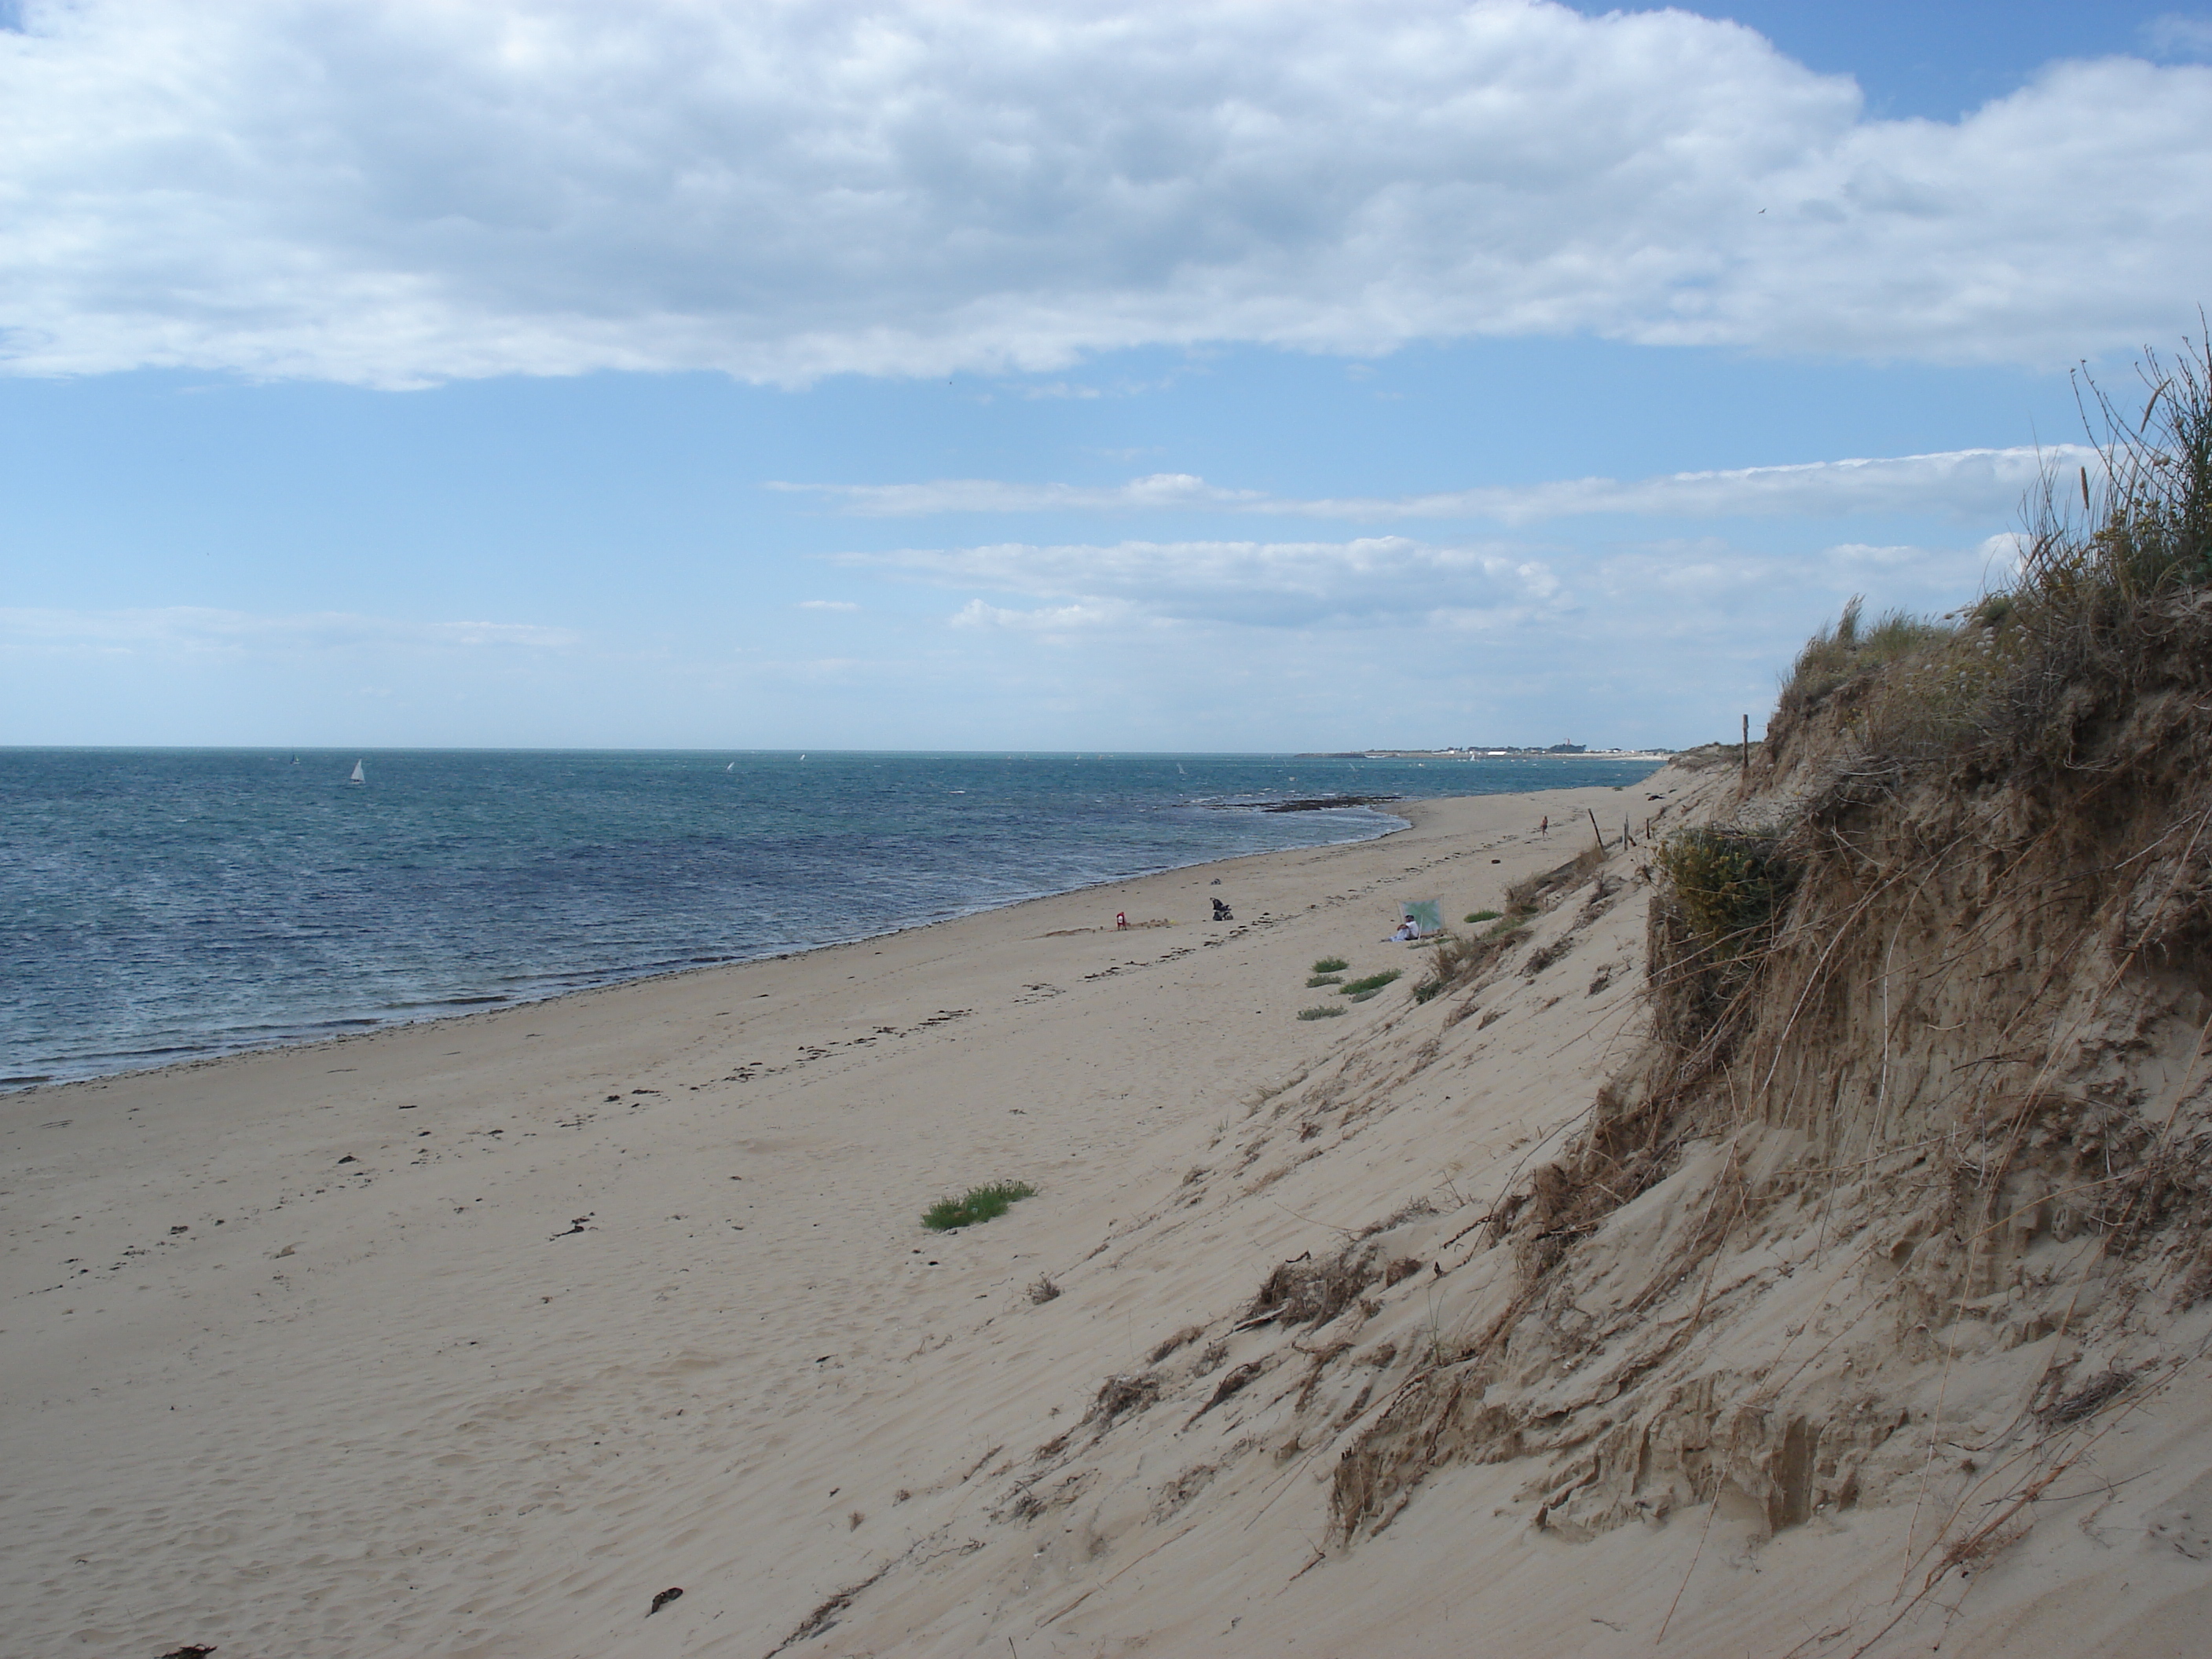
(1880, 1247)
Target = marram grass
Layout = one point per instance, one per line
(981, 1204)
(1360, 989)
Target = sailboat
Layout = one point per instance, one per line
(359, 775)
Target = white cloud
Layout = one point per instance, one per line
(1965, 482)
(827, 604)
(1046, 619)
(2174, 35)
(417, 189)
(1260, 584)
(199, 630)
(1550, 600)
(1159, 489)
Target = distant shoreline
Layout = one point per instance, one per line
(1660, 755)
(269, 992)
(1409, 813)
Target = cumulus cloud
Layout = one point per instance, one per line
(1965, 483)
(417, 189)
(200, 630)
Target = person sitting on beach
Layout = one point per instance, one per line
(1407, 932)
(1221, 912)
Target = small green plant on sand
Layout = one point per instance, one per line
(1360, 989)
(981, 1204)
(1328, 1011)
(1331, 965)
(1319, 980)
(1482, 916)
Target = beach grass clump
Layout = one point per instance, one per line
(1850, 646)
(1320, 980)
(980, 1205)
(1327, 1011)
(1360, 989)
(1473, 916)
(1454, 956)
(1526, 896)
(1460, 957)
(2111, 554)
(1727, 887)
(1331, 965)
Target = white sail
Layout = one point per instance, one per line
(359, 775)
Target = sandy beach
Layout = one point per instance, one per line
(480, 1337)
(470, 1338)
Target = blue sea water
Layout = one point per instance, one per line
(159, 905)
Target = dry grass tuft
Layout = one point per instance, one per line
(1309, 1293)
(2106, 558)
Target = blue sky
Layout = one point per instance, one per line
(1220, 376)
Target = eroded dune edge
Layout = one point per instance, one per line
(1802, 1258)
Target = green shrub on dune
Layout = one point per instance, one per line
(1360, 989)
(981, 1204)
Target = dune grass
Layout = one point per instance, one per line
(1484, 915)
(1320, 980)
(981, 1204)
(1327, 1012)
(2110, 554)
(1360, 989)
(1331, 965)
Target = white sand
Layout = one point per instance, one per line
(307, 1355)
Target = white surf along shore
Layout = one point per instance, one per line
(474, 1338)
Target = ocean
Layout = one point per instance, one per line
(159, 905)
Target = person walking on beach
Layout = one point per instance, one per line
(1545, 828)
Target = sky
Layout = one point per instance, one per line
(1197, 377)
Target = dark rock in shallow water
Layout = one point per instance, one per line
(1323, 803)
